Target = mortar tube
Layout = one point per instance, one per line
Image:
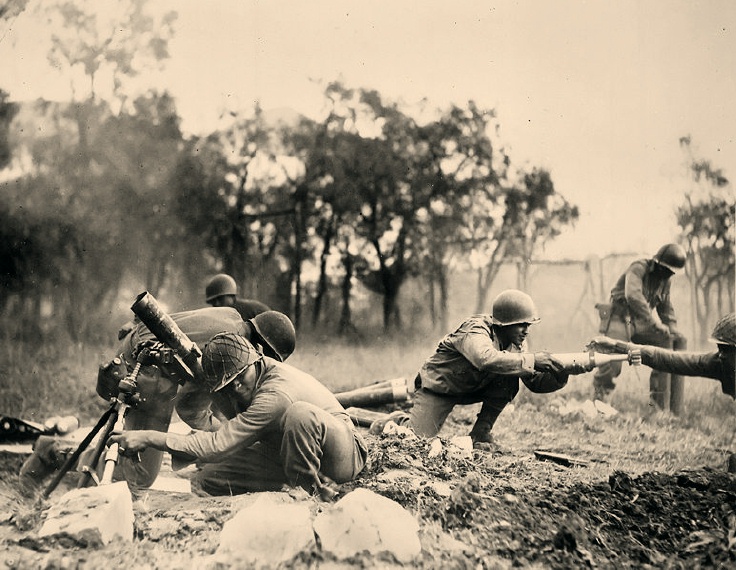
(388, 392)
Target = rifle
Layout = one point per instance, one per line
(179, 358)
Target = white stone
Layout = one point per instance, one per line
(106, 510)
(605, 409)
(365, 521)
(435, 447)
(270, 530)
(589, 409)
(461, 447)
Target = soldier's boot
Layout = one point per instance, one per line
(481, 437)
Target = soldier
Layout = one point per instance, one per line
(642, 289)
(271, 331)
(483, 361)
(222, 291)
(719, 364)
(285, 428)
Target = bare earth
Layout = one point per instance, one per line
(649, 492)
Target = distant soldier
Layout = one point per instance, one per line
(222, 291)
(642, 290)
(285, 428)
(483, 361)
(719, 364)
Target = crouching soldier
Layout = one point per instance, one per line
(285, 427)
(483, 361)
(273, 332)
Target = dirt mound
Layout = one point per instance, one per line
(475, 509)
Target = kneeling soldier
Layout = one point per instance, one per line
(285, 427)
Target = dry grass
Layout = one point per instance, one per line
(35, 384)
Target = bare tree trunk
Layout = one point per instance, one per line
(444, 296)
(322, 282)
(346, 322)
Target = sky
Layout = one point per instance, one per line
(599, 93)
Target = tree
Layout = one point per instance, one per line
(457, 159)
(8, 110)
(117, 39)
(706, 217)
(538, 213)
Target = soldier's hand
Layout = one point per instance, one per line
(575, 369)
(661, 329)
(134, 441)
(545, 362)
(602, 344)
(152, 346)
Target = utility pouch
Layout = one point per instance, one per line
(604, 312)
(109, 376)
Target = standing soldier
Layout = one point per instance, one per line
(222, 291)
(643, 289)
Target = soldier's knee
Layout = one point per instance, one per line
(301, 416)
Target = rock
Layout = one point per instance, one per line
(605, 409)
(588, 408)
(105, 511)
(435, 447)
(365, 521)
(271, 530)
(461, 447)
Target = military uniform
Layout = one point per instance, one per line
(158, 392)
(707, 364)
(639, 291)
(469, 366)
(293, 430)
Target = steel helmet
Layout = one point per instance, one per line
(219, 285)
(725, 330)
(512, 307)
(277, 331)
(224, 357)
(672, 256)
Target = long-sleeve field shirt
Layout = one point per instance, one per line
(641, 289)
(706, 365)
(279, 386)
(470, 359)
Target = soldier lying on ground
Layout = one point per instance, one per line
(718, 365)
(286, 428)
(483, 361)
(271, 331)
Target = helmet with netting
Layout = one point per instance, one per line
(672, 256)
(224, 357)
(725, 330)
(219, 285)
(512, 307)
(277, 331)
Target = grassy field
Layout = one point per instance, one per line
(36, 383)
(503, 510)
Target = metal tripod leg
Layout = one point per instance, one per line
(72, 459)
(88, 471)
